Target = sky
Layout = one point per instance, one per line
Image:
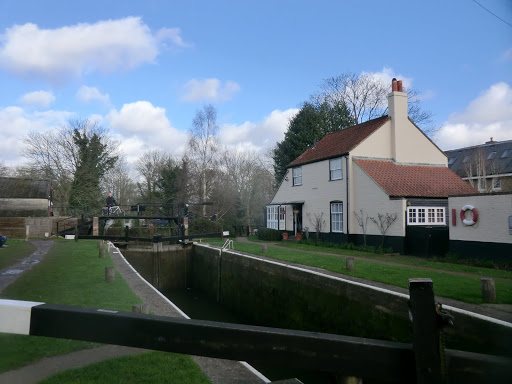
(142, 69)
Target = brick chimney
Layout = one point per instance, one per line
(397, 110)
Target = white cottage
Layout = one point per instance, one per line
(386, 166)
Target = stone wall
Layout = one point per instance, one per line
(38, 227)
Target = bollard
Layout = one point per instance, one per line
(488, 289)
(99, 243)
(76, 233)
(140, 308)
(264, 248)
(110, 274)
(102, 253)
(350, 264)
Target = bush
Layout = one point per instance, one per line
(269, 234)
(199, 226)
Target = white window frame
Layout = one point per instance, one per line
(297, 176)
(426, 215)
(282, 217)
(272, 216)
(337, 217)
(335, 171)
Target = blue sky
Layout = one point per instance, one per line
(143, 69)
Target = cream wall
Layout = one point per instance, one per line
(317, 191)
(492, 223)
(373, 200)
(377, 145)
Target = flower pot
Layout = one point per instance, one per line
(299, 236)
(285, 235)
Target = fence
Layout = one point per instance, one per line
(422, 362)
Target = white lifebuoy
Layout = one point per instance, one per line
(463, 215)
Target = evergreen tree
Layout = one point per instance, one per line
(310, 124)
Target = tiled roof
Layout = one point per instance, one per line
(415, 180)
(501, 161)
(24, 188)
(340, 142)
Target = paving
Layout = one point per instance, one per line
(218, 370)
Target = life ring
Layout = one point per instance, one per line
(463, 215)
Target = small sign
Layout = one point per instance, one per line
(225, 233)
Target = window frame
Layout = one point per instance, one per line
(334, 215)
(340, 169)
(273, 216)
(296, 178)
(428, 215)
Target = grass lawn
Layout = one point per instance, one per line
(15, 251)
(463, 288)
(152, 367)
(70, 274)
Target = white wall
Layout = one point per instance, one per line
(492, 223)
(373, 200)
(317, 191)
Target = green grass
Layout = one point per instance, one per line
(70, 274)
(450, 285)
(152, 367)
(15, 251)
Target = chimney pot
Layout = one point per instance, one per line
(394, 86)
(399, 86)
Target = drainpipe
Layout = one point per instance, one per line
(348, 189)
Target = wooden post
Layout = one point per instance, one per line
(126, 233)
(100, 243)
(140, 308)
(76, 232)
(350, 264)
(95, 226)
(102, 253)
(110, 274)
(425, 338)
(264, 248)
(488, 289)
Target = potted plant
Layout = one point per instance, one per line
(285, 235)
(298, 236)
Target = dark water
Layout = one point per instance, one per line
(201, 307)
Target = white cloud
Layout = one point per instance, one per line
(387, 74)
(140, 126)
(58, 54)
(258, 136)
(41, 99)
(87, 94)
(489, 115)
(209, 90)
(17, 123)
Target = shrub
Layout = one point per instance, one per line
(269, 234)
(199, 226)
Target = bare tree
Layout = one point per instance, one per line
(383, 222)
(54, 155)
(318, 223)
(362, 220)
(365, 95)
(118, 181)
(481, 171)
(203, 146)
(149, 167)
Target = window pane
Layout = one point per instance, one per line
(337, 217)
(335, 169)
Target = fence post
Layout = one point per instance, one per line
(126, 233)
(76, 233)
(264, 248)
(488, 289)
(350, 264)
(140, 308)
(110, 274)
(425, 338)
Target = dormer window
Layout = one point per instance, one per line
(506, 153)
(451, 160)
(297, 176)
(491, 155)
(335, 172)
(466, 159)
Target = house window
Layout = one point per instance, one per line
(337, 217)
(496, 184)
(452, 160)
(335, 169)
(297, 176)
(491, 155)
(272, 216)
(506, 153)
(426, 216)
